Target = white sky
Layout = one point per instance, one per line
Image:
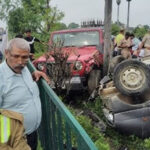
(80, 10)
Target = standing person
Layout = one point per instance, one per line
(135, 42)
(126, 42)
(31, 40)
(119, 39)
(146, 44)
(3, 45)
(18, 91)
(125, 45)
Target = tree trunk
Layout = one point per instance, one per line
(107, 35)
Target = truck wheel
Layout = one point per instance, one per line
(132, 77)
(93, 80)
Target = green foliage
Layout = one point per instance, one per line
(96, 107)
(59, 26)
(37, 15)
(115, 29)
(147, 143)
(101, 144)
(73, 25)
(140, 32)
(93, 132)
(112, 139)
(39, 147)
(16, 21)
(146, 27)
(38, 54)
(6, 6)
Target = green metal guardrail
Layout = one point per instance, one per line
(59, 130)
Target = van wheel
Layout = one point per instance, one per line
(93, 80)
(131, 77)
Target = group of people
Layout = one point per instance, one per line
(20, 107)
(28, 37)
(127, 45)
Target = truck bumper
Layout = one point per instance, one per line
(73, 84)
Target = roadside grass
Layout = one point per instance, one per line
(110, 139)
(39, 146)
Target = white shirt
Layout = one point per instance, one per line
(3, 43)
(19, 93)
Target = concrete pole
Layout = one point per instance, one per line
(128, 15)
(118, 15)
(107, 35)
(118, 3)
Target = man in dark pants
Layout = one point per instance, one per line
(31, 40)
(32, 140)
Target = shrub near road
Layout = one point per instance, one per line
(85, 59)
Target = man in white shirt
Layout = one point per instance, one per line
(18, 91)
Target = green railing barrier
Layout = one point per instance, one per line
(59, 130)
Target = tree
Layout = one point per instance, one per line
(147, 27)
(16, 21)
(140, 31)
(44, 17)
(6, 6)
(73, 25)
(37, 15)
(59, 26)
(115, 29)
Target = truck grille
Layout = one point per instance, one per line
(54, 69)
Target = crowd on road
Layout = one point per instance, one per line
(129, 46)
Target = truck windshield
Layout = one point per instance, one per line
(77, 38)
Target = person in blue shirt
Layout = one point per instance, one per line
(135, 42)
(18, 91)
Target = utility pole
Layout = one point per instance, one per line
(118, 3)
(128, 15)
(107, 35)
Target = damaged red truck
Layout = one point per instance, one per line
(86, 61)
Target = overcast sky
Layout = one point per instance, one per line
(80, 10)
